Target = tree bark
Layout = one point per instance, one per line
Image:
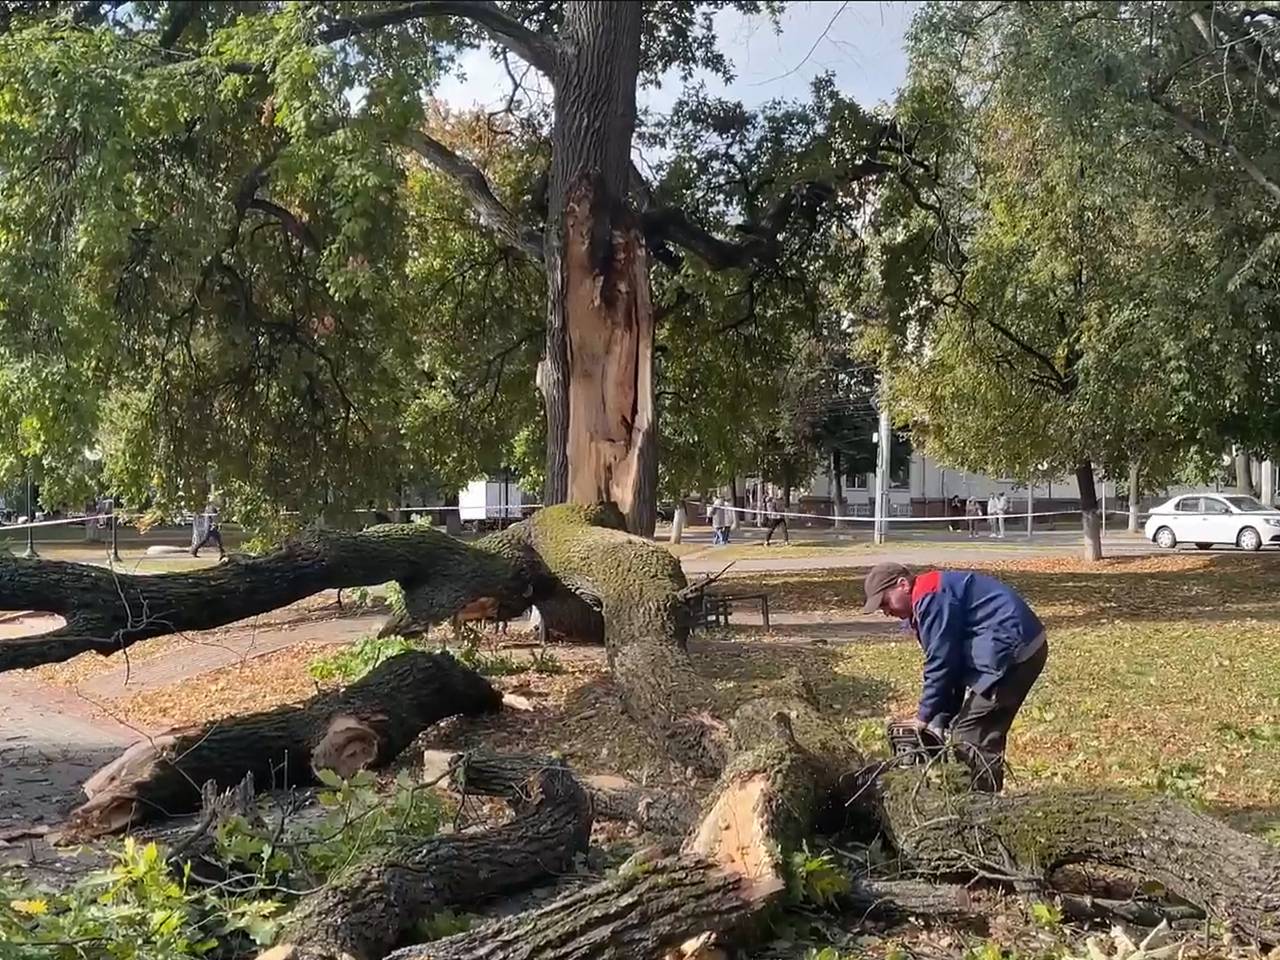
(364, 915)
(1244, 471)
(641, 914)
(837, 488)
(1090, 520)
(1232, 876)
(1133, 496)
(597, 376)
(107, 611)
(678, 521)
(366, 725)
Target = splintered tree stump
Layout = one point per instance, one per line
(365, 725)
(1231, 875)
(366, 913)
(650, 910)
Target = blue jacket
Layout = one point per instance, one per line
(972, 628)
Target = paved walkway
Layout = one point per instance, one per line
(50, 741)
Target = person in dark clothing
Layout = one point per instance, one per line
(205, 530)
(379, 517)
(984, 648)
(776, 516)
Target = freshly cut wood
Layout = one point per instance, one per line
(1234, 877)
(365, 725)
(366, 913)
(640, 915)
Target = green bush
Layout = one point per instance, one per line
(144, 908)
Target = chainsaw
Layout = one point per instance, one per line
(913, 744)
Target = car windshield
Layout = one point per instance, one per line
(1244, 503)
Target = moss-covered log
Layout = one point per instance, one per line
(644, 913)
(637, 585)
(365, 725)
(1231, 875)
(106, 611)
(366, 913)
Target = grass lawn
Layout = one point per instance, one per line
(1164, 673)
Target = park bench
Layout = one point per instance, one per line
(717, 607)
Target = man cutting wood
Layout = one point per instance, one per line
(984, 648)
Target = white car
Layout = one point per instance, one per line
(1206, 519)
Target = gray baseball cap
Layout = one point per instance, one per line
(882, 577)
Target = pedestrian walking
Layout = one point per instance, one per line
(205, 530)
(775, 513)
(1002, 507)
(972, 512)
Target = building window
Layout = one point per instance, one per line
(858, 481)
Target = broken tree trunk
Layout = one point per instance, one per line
(643, 913)
(367, 912)
(1231, 875)
(365, 725)
(106, 611)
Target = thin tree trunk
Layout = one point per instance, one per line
(597, 376)
(1090, 520)
(452, 517)
(837, 487)
(1244, 472)
(1133, 496)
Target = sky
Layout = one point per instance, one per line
(860, 41)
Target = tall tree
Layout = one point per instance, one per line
(1042, 282)
(230, 237)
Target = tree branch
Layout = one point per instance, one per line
(664, 225)
(296, 227)
(181, 13)
(490, 209)
(533, 48)
(1206, 136)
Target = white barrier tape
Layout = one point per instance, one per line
(900, 518)
(508, 512)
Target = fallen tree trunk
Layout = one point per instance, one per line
(106, 611)
(644, 913)
(366, 913)
(1234, 877)
(365, 725)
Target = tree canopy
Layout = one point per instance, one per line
(1083, 271)
(244, 246)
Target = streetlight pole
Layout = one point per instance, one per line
(882, 475)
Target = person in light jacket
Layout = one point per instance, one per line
(1002, 507)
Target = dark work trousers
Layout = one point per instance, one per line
(981, 729)
(213, 536)
(774, 524)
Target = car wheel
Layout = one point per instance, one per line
(1249, 539)
(1203, 546)
(1165, 539)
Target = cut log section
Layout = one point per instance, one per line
(642, 914)
(1234, 877)
(366, 913)
(365, 725)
